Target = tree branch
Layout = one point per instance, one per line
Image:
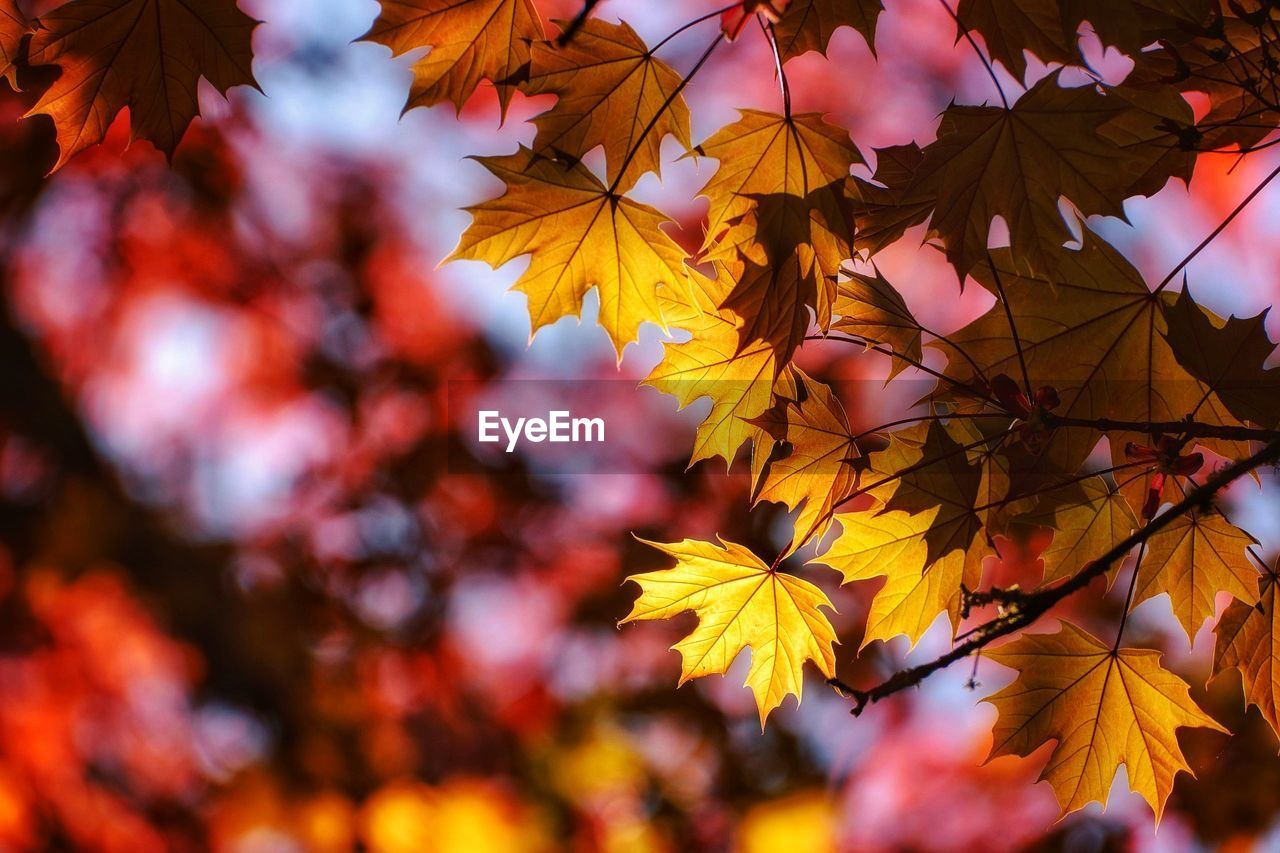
(1022, 610)
(1189, 428)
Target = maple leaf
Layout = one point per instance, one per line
(470, 41)
(1086, 144)
(13, 28)
(1094, 332)
(1104, 708)
(945, 478)
(1192, 559)
(611, 91)
(770, 301)
(870, 307)
(1085, 525)
(740, 602)
(1230, 60)
(1248, 639)
(801, 164)
(1048, 28)
(1010, 28)
(740, 381)
(580, 235)
(146, 55)
(816, 474)
(1228, 358)
(921, 538)
(809, 24)
(893, 545)
(883, 210)
(1013, 478)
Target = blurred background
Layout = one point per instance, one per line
(251, 602)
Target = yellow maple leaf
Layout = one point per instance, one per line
(1198, 555)
(580, 236)
(469, 41)
(780, 220)
(816, 475)
(892, 545)
(740, 602)
(770, 301)
(1103, 709)
(943, 476)
(922, 534)
(1095, 518)
(794, 170)
(739, 380)
(146, 55)
(869, 307)
(611, 91)
(1248, 639)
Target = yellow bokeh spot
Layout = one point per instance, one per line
(409, 817)
(801, 823)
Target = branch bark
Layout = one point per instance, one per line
(1189, 428)
(1024, 609)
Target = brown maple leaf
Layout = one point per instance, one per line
(144, 55)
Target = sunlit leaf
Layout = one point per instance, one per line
(1195, 557)
(1103, 708)
(469, 41)
(610, 91)
(740, 602)
(815, 474)
(580, 236)
(1248, 639)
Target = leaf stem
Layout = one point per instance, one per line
(986, 63)
(767, 29)
(714, 13)
(1128, 597)
(1013, 327)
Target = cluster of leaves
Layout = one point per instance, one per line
(1083, 402)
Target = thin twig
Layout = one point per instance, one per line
(1188, 428)
(688, 25)
(872, 346)
(576, 23)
